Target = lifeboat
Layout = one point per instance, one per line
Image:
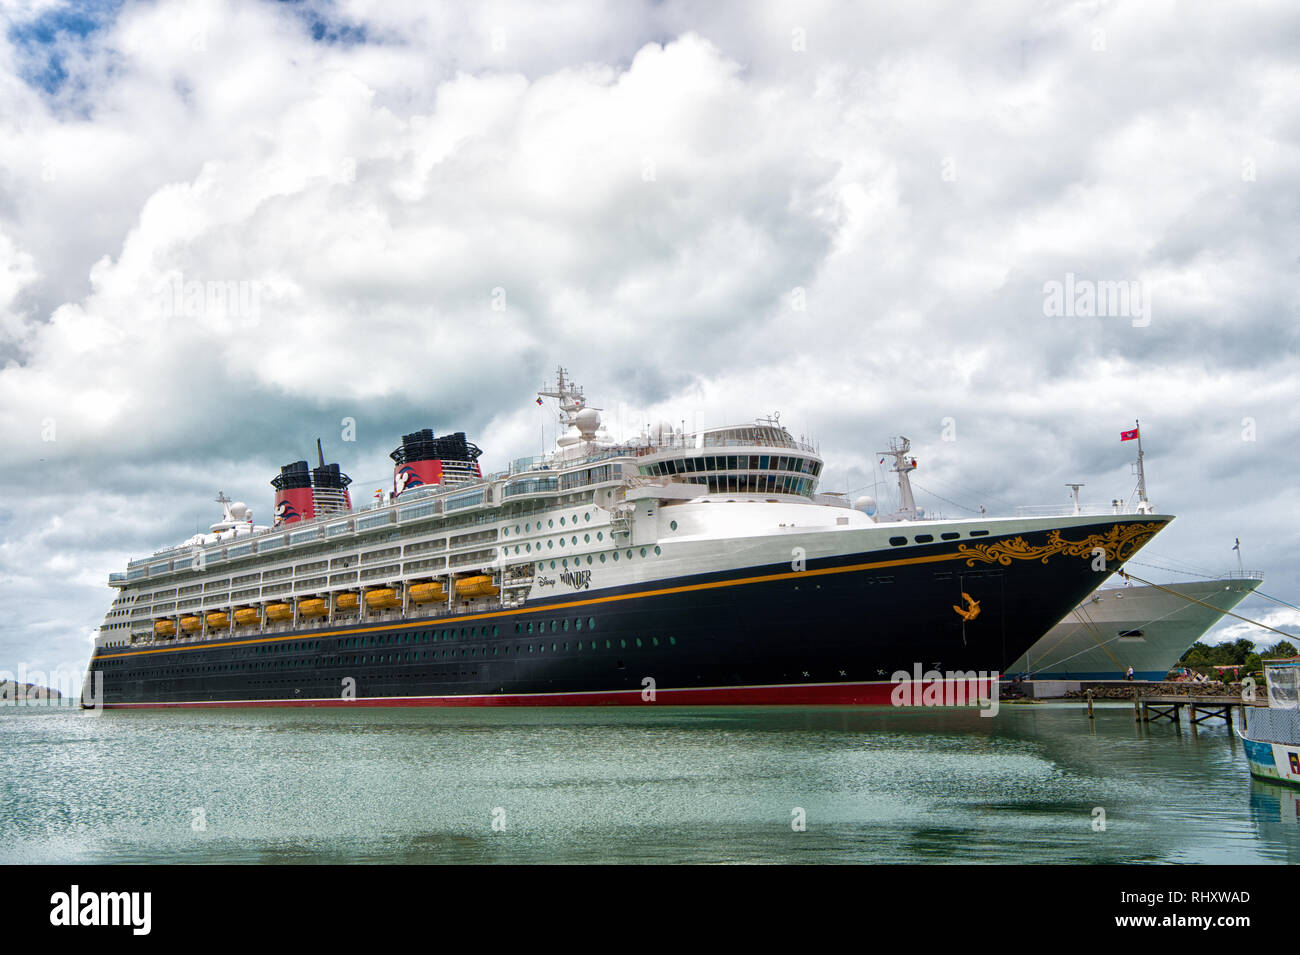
(246, 615)
(191, 624)
(164, 628)
(479, 585)
(424, 593)
(279, 612)
(346, 602)
(383, 598)
(220, 620)
(314, 607)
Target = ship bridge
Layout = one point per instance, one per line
(759, 458)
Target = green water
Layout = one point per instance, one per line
(629, 785)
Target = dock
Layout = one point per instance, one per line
(1150, 705)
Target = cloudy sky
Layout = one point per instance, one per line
(228, 225)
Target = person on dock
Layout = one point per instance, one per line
(1129, 674)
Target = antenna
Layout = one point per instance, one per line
(903, 464)
(320, 454)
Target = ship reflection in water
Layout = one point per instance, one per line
(651, 784)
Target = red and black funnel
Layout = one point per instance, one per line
(425, 460)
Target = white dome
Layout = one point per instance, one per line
(866, 504)
(587, 422)
(239, 511)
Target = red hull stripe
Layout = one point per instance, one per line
(802, 694)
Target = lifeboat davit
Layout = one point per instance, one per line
(164, 628)
(479, 585)
(279, 612)
(346, 602)
(246, 615)
(220, 620)
(424, 593)
(191, 624)
(315, 607)
(384, 598)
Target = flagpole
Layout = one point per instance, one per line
(1142, 478)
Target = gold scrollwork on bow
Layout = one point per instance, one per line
(1119, 543)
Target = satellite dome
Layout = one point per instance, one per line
(587, 422)
(866, 504)
(239, 511)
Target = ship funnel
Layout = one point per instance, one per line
(293, 495)
(302, 493)
(424, 460)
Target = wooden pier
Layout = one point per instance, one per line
(1152, 708)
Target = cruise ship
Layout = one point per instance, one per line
(676, 568)
(1147, 628)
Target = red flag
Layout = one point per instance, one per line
(1128, 435)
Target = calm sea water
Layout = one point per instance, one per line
(629, 785)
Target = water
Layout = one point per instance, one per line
(629, 785)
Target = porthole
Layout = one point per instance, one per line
(561, 522)
(897, 541)
(561, 541)
(672, 641)
(550, 544)
(574, 540)
(600, 535)
(552, 565)
(616, 555)
(673, 525)
(923, 538)
(586, 516)
(589, 560)
(629, 553)
(657, 550)
(642, 551)
(591, 623)
(602, 558)
(550, 523)
(586, 538)
(950, 536)
(566, 624)
(575, 518)
(578, 624)
(638, 641)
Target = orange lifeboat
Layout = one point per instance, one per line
(315, 607)
(164, 628)
(425, 593)
(346, 602)
(219, 620)
(479, 585)
(279, 612)
(191, 624)
(245, 616)
(384, 598)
